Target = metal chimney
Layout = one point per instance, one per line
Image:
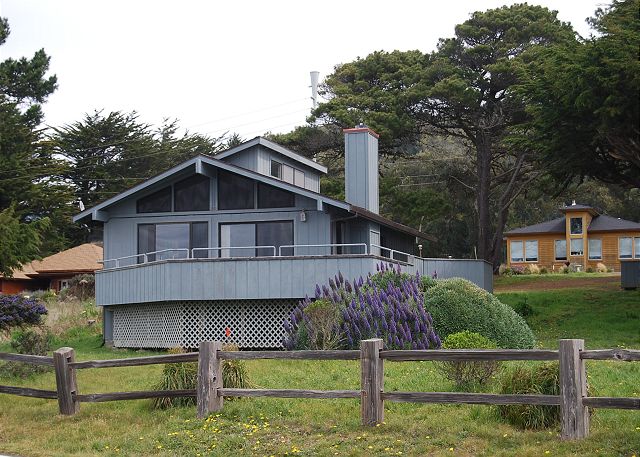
(315, 75)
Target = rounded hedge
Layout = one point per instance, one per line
(457, 305)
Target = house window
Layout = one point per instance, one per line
(175, 239)
(243, 237)
(276, 169)
(272, 197)
(577, 246)
(637, 247)
(595, 249)
(287, 174)
(625, 247)
(561, 249)
(576, 225)
(158, 202)
(531, 250)
(192, 194)
(517, 254)
(299, 178)
(235, 192)
(63, 284)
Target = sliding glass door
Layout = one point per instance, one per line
(239, 240)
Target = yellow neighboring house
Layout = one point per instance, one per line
(581, 237)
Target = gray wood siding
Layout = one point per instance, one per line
(257, 278)
(476, 271)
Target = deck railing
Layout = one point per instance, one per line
(210, 392)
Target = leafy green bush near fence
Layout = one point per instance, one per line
(457, 305)
(541, 379)
(468, 374)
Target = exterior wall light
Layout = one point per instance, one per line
(303, 216)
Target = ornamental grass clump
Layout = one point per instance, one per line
(19, 311)
(388, 305)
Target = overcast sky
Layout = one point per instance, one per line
(240, 66)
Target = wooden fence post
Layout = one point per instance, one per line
(209, 378)
(371, 382)
(573, 387)
(66, 384)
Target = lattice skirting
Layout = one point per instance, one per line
(253, 323)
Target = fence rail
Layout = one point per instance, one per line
(209, 393)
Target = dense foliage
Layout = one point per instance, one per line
(532, 379)
(35, 341)
(467, 374)
(18, 311)
(387, 305)
(19, 242)
(457, 305)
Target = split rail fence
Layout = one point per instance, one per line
(573, 399)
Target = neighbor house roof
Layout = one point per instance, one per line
(80, 259)
(277, 148)
(599, 223)
(199, 161)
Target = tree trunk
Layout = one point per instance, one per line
(483, 159)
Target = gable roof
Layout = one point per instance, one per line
(275, 147)
(96, 212)
(80, 259)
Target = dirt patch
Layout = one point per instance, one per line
(600, 282)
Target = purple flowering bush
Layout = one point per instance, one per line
(19, 311)
(387, 305)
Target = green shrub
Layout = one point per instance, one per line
(468, 374)
(177, 376)
(544, 270)
(457, 305)
(33, 341)
(523, 308)
(427, 282)
(323, 317)
(538, 379)
(81, 287)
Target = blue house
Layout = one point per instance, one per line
(225, 246)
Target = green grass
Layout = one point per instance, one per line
(500, 281)
(260, 426)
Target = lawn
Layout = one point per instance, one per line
(605, 318)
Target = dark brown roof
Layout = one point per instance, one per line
(553, 226)
(600, 223)
(605, 223)
(359, 211)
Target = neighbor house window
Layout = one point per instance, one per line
(243, 237)
(158, 202)
(517, 254)
(235, 192)
(298, 179)
(561, 249)
(625, 247)
(531, 250)
(577, 246)
(176, 240)
(192, 194)
(637, 247)
(595, 249)
(576, 225)
(272, 197)
(276, 169)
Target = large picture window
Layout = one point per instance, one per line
(560, 249)
(192, 194)
(517, 251)
(272, 197)
(637, 247)
(235, 192)
(577, 246)
(238, 240)
(595, 249)
(158, 202)
(176, 240)
(625, 247)
(576, 225)
(531, 250)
